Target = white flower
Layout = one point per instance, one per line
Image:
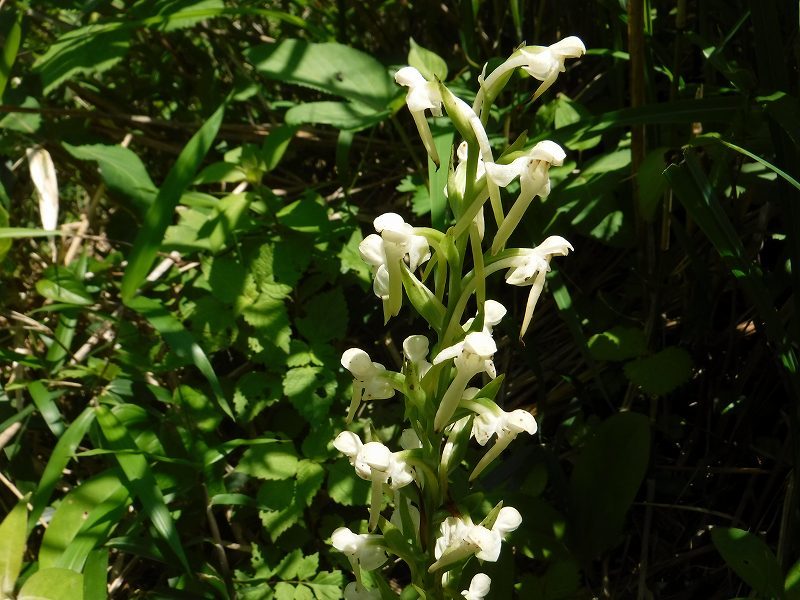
(356, 591)
(415, 349)
(396, 243)
(546, 62)
(531, 268)
(493, 313)
(369, 381)
(376, 463)
(422, 95)
(474, 213)
(460, 538)
(43, 175)
(364, 551)
(471, 356)
(533, 172)
(478, 587)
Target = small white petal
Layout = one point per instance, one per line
(450, 352)
(409, 76)
(478, 587)
(348, 443)
(415, 348)
(520, 420)
(371, 250)
(357, 362)
(508, 520)
(480, 343)
(390, 221)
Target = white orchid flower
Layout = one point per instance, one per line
(475, 212)
(531, 268)
(422, 95)
(471, 356)
(377, 464)
(493, 313)
(533, 171)
(356, 591)
(492, 420)
(43, 176)
(540, 62)
(415, 349)
(396, 243)
(460, 538)
(478, 587)
(369, 381)
(364, 551)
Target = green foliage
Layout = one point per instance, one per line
(751, 559)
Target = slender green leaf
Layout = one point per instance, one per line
(181, 341)
(53, 584)
(26, 232)
(159, 215)
(94, 575)
(10, 48)
(44, 400)
(141, 481)
(13, 531)
(60, 457)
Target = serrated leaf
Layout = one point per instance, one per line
(345, 487)
(311, 390)
(296, 566)
(254, 392)
(269, 461)
(661, 373)
(53, 584)
(751, 559)
(325, 317)
(327, 585)
(13, 531)
(618, 343)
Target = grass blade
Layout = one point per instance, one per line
(159, 215)
(94, 575)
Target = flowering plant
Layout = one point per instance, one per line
(424, 266)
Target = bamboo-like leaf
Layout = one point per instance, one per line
(423, 300)
(181, 341)
(94, 575)
(159, 215)
(10, 49)
(53, 584)
(13, 531)
(62, 453)
(141, 481)
(45, 402)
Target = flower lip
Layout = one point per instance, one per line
(550, 152)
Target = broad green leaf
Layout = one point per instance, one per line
(307, 215)
(618, 343)
(160, 214)
(59, 459)
(349, 116)
(25, 122)
(94, 575)
(329, 67)
(561, 581)
(61, 285)
(269, 461)
(662, 372)
(122, 171)
(53, 584)
(13, 531)
(325, 317)
(296, 566)
(141, 480)
(792, 584)
(10, 48)
(311, 390)
(427, 62)
(181, 342)
(751, 559)
(276, 144)
(606, 477)
(568, 113)
(344, 487)
(327, 585)
(90, 49)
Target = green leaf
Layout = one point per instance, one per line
(311, 390)
(90, 49)
(94, 575)
(606, 477)
(792, 584)
(325, 317)
(652, 183)
(62, 286)
(5, 244)
(160, 213)
(349, 116)
(275, 145)
(327, 585)
(10, 48)
(329, 67)
(25, 122)
(618, 343)
(427, 62)
(58, 461)
(751, 559)
(307, 215)
(567, 113)
(45, 402)
(344, 487)
(53, 584)
(270, 461)
(561, 581)
(122, 171)
(7, 233)
(661, 373)
(424, 301)
(181, 342)
(296, 566)
(13, 531)
(141, 480)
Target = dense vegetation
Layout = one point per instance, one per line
(170, 378)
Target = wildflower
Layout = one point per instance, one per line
(376, 463)
(422, 95)
(493, 313)
(396, 243)
(474, 212)
(471, 356)
(531, 267)
(478, 587)
(364, 551)
(415, 349)
(369, 381)
(492, 420)
(533, 173)
(460, 538)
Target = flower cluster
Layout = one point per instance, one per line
(422, 267)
